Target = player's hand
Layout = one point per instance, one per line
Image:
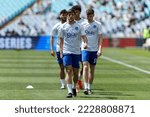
(99, 53)
(85, 46)
(52, 53)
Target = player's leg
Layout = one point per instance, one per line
(75, 64)
(80, 77)
(79, 83)
(81, 72)
(85, 76)
(67, 61)
(69, 80)
(62, 76)
(85, 59)
(92, 61)
(91, 78)
(75, 80)
(61, 73)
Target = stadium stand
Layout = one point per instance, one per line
(119, 18)
(10, 9)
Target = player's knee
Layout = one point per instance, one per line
(85, 67)
(69, 70)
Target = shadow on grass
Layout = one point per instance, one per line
(102, 94)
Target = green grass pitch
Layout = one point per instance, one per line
(113, 81)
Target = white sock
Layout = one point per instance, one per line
(89, 86)
(62, 82)
(85, 85)
(74, 85)
(69, 87)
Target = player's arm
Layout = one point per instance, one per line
(61, 47)
(61, 42)
(100, 44)
(51, 45)
(84, 39)
(54, 30)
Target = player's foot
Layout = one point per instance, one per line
(62, 87)
(86, 91)
(74, 92)
(69, 95)
(90, 92)
(80, 84)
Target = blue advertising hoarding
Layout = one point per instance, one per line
(43, 42)
(26, 43)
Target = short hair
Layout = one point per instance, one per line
(77, 7)
(70, 11)
(63, 11)
(89, 11)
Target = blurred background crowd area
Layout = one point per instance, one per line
(119, 18)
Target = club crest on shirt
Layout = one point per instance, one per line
(76, 28)
(94, 26)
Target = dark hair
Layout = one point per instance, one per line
(70, 11)
(77, 7)
(89, 11)
(63, 11)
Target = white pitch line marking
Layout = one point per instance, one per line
(125, 64)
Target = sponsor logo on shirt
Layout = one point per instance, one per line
(89, 32)
(71, 35)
